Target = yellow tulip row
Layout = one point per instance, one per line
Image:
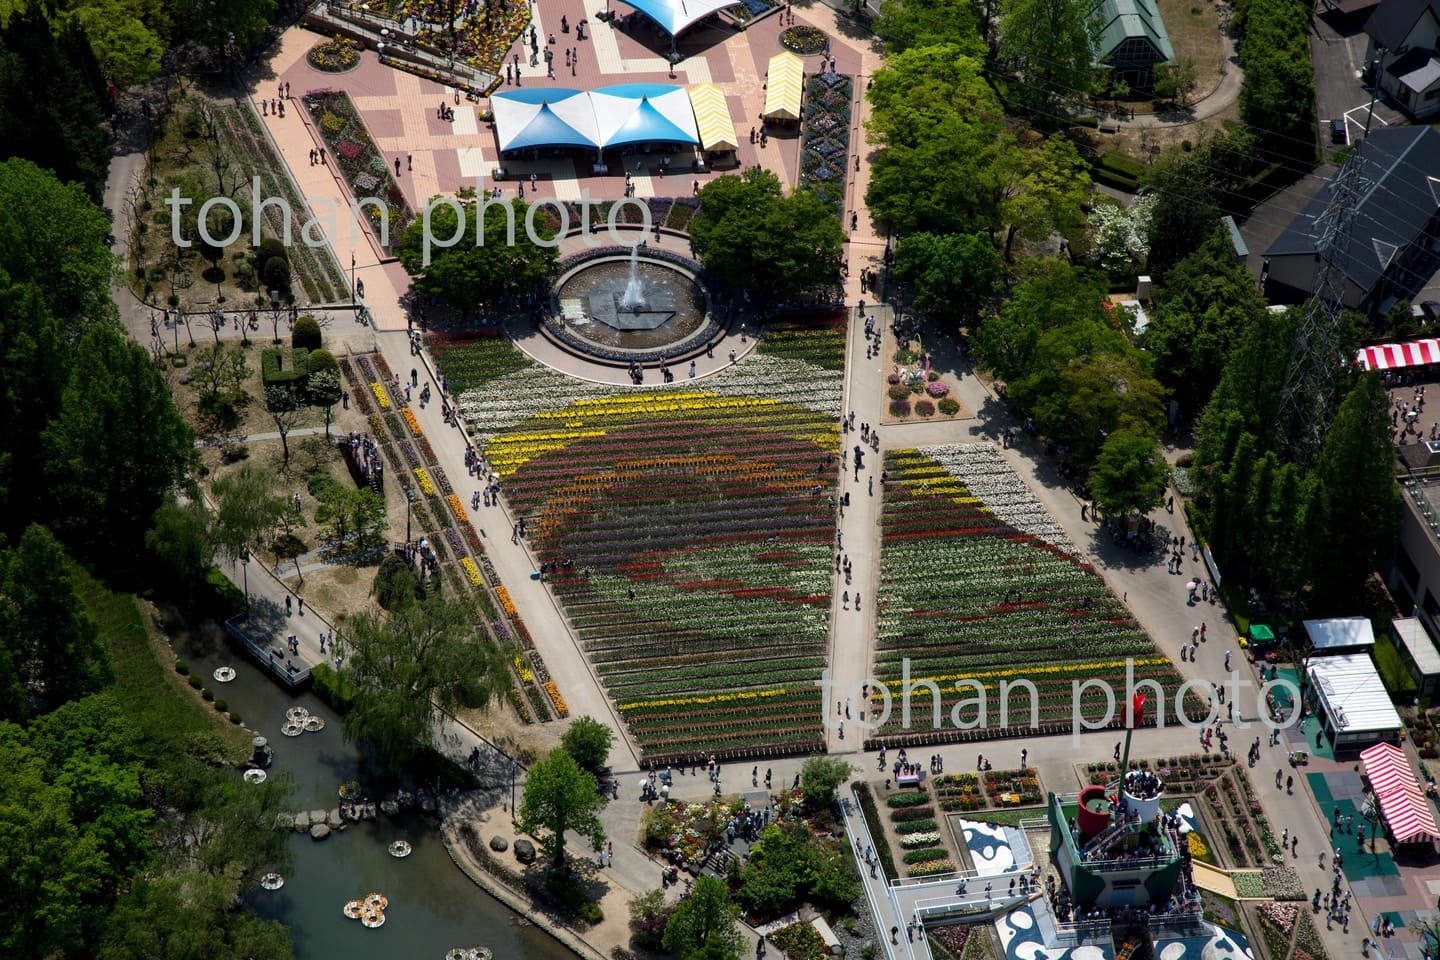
(714, 698)
(427, 486)
(523, 669)
(1036, 671)
(472, 571)
(381, 397)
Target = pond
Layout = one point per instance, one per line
(433, 906)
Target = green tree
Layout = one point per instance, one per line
(1185, 208)
(704, 925)
(180, 543)
(905, 24)
(49, 81)
(1052, 295)
(588, 741)
(939, 126)
(127, 50)
(408, 666)
(1129, 475)
(247, 508)
(306, 333)
(1356, 471)
(285, 402)
(1045, 189)
(1175, 80)
(323, 390)
(1052, 42)
(189, 915)
(649, 915)
(54, 237)
(559, 796)
(953, 276)
(1092, 396)
(1278, 96)
(116, 446)
(788, 865)
(473, 274)
(1208, 300)
(52, 643)
(35, 360)
(821, 777)
(750, 236)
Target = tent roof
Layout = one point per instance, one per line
(677, 15)
(1340, 632)
(1391, 356)
(785, 82)
(643, 113)
(1353, 694)
(712, 117)
(552, 117)
(1405, 808)
(608, 117)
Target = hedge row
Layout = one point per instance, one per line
(916, 826)
(877, 830)
(273, 368)
(910, 798)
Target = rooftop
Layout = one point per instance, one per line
(1338, 633)
(1121, 20)
(1353, 692)
(1414, 637)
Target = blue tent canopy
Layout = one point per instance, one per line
(676, 15)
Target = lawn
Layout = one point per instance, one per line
(1194, 32)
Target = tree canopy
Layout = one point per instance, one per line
(1050, 42)
(588, 741)
(953, 276)
(483, 267)
(559, 796)
(404, 667)
(704, 925)
(1129, 475)
(751, 236)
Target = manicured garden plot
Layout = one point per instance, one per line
(979, 583)
(818, 339)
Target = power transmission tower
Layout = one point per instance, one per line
(1307, 399)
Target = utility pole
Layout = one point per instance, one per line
(1307, 400)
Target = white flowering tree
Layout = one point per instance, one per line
(1122, 234)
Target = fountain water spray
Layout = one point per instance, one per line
(634, 296)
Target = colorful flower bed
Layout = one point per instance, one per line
(484, 35)
(458, 507)
(427, 485)
(689, 533)
(561, 709)
(366, 169)
(506, 603)
(979, 583)
(825, 154)
(472, 571)
(381, 397)
(411, 422)
(817, 338)
(334, 56)
(801, 941)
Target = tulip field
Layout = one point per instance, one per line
(978, 581)
(689, 534)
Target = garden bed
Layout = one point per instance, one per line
(825, 137)
(365, 168)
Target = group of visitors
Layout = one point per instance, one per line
(365, 460)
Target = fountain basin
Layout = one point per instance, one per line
(660, 313)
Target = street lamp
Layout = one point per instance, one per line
(275, 314)
(245, 567)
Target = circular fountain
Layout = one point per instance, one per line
(638, 308)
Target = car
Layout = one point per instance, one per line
(1339, 132)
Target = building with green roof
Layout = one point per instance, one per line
(1131, 41)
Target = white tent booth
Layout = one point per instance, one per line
(677, 16)
(618, 117)
(1346, 693)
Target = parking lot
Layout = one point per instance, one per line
(1338, 45)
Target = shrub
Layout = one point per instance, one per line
(275, 368)
(894, 378)
(221, 706)
(194, 681)
(899, 408)
(926, 812)
(331, 125)
(872, 821)
(235, 718)
(909, 798)
(899, 391)
(207, 694)
(925, 408)
(321, 360)
(937, 389)
(306, 333)
(932, 376)
(182, 668)
(949, 407)
(921, 856)
(916, 826)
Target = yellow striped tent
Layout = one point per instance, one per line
(786, 80)
(712, 118)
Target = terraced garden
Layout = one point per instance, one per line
(979, 583)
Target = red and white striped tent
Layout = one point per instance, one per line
(1392, 356)
(1404, 807)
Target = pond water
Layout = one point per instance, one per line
(592, 301)
(433, 906)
